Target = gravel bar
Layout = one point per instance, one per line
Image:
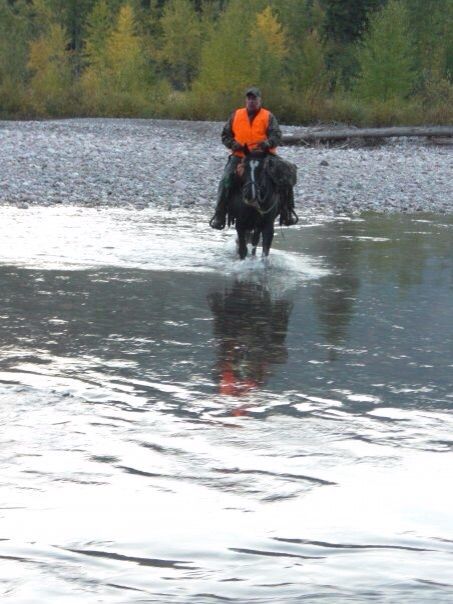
(166, 163)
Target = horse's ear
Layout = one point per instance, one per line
(246, 149)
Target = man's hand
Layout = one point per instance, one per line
(237, 146)
(264, 146)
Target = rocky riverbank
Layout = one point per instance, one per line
(145, 163)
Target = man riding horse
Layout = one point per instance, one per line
(250, 128)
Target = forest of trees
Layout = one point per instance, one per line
(364, 62)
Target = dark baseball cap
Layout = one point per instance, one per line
(253, 91)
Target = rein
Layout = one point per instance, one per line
(256, 206)
(256, 189)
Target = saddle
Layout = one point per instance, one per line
(283, 173)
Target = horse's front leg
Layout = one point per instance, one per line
(268, 235)
(255, 240)
(242, 243)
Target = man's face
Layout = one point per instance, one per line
(252, 103)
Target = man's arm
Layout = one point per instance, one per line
(227, 133)
(274, 134)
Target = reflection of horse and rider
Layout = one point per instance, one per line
(254, 129)
(250, 328)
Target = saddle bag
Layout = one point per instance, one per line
(282, 172)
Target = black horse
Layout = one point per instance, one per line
(254, 204)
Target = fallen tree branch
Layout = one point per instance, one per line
(312, 136)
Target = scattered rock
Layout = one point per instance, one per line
(172, 164)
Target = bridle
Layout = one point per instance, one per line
(253, 185)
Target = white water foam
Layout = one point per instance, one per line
(178, 241)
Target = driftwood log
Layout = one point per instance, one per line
(341, 134)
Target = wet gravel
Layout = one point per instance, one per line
(142, 163)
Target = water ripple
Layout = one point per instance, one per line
(176, 564)
(180, 427)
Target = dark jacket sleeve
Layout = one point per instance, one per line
(274, 134)
(227, 132)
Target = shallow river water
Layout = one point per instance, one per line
(178, 426)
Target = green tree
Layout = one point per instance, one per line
(312, 79)
(305, 62)
(431, 22)
(227, 65)
(51, 85)
(94, 79)
(295, 17)
(386, 56)
(432, 25)
(181, 49)
(345, 22)
(211, 9)
(148, 14)
(71, 16)
(148, 26)
(14, 33)
(98, 27)
(125, 58)
(268, 47)
(119, 78)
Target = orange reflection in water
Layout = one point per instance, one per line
(250, 327)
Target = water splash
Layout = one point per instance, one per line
(151, 240)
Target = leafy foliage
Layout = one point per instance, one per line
(269, 50)
(365, 61)
(226, 64)
(181, 33)
(49, 63)
(14, 32)
(386, 56)
(346, 20)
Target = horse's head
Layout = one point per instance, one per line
(254, 181)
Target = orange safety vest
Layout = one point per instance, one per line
(231, 385)
(253, 132)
